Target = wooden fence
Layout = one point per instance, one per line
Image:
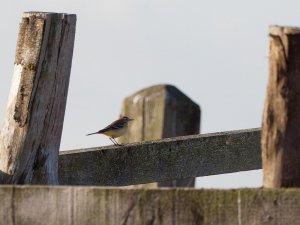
(30, 137)
(162, 160)
(56, 205)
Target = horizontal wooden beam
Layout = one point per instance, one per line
(67, 205)
(167, 159)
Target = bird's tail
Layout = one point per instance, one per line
(92, 133)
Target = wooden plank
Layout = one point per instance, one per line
(31, 132)
(67, 205)
(161, 111)
(281, 118)
(167, 159)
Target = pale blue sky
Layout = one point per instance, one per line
(214, 51)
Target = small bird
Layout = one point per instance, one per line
(115, 129)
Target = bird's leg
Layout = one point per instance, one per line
(116, 142)
(112, 141)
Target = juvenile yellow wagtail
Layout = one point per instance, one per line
(115, 129)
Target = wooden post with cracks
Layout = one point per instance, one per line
(31, 132)
(161, 111)
(281, 117)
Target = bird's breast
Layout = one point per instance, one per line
(115, 133)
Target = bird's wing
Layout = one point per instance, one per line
(113, 126)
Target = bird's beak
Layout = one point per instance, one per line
(131, 119)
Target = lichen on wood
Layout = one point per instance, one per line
(31, 132)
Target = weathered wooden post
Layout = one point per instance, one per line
(31, 133)
(281, 117)
(161, 111)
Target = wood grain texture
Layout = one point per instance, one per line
(67, 205)
(281, 117)
(31, 132)
(161, 111)
(162, 160)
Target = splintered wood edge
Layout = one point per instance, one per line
(279, 30)
(44, 15)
